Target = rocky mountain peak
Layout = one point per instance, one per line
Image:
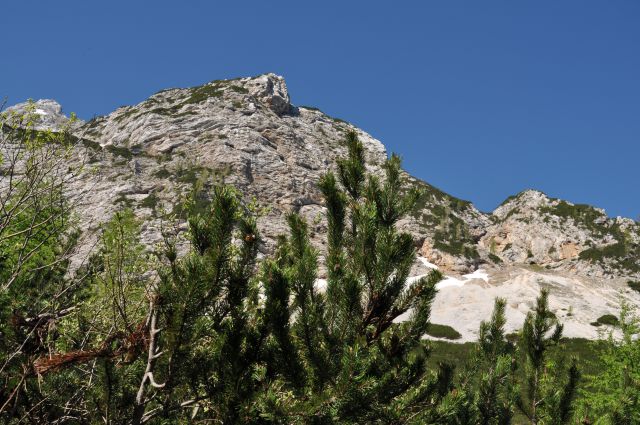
(46, 113)
(272, 90)
(529, 199)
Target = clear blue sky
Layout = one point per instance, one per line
(481, 98)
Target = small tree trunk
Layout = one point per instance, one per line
(152, 355)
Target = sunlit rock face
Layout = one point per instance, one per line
(44, 114)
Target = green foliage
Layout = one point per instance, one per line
(352, 169)
(120, 281)
(90, 144)
(121, 151)
(239, 89)
(509, 199)
(454, 247)
(162, 173)
(202, 93)
(612, 393)
(435, 208)
(442, 331)
(189, 174)
(550, 388)
(36, 238)
(634, 284)
(150, 201)
(608, 319)
(363, 367)
(583, 215)
(111, 316)
(214, 343)
(195, 95)
(129, 113)
(494, 397)
(495, 258)
(620, 254)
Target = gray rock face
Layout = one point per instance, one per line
(246, 132)
(243, 132)
(272, 90)
(532, 228)
(46, 114)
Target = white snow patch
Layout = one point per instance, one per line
(449, 281)
(426, 263)
(478, 274)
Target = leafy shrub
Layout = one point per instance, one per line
(150, 201)
(239, 89)
(442, 331)
(162, 173)
(120, 151)
(495, 258)
(619, 253)
(608, 319)
(90, 144)
(582, 214)
(202, 93)
(634, 284)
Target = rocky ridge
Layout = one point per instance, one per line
(531, 228)
(248, 133)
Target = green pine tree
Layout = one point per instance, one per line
(210, 360)
(494, 367)
(550, 387)
(613, 395)
(348, 358)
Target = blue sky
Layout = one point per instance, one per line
(481, 98)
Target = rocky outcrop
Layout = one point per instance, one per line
(272, 91)
(46, 114)
(531, 228)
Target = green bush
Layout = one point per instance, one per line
(634, 284)
(608, 319)
(150, 201)
(495, 258)
(202, 93)
(162, 173)
(582, 214)
(442, 331)
(122, 151)
(239, 89)
(620, 254)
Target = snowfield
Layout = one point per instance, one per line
(462, 302)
